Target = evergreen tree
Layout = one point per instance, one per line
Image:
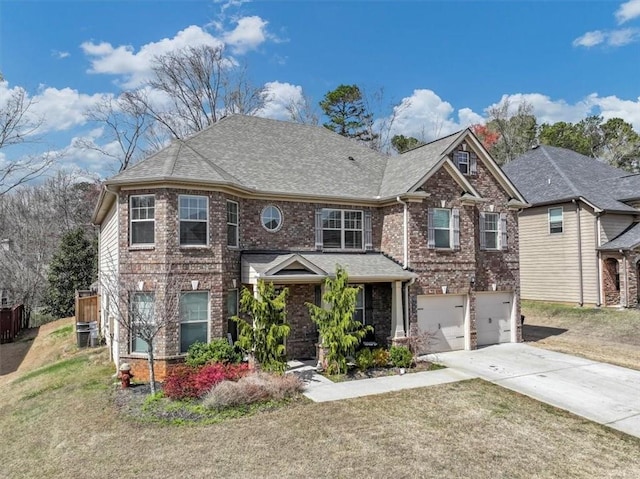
(403, 143)
(264, 336)
(339, 332)
(347, 113)
(73, 267)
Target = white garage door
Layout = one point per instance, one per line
(493, 317)
(443, 317)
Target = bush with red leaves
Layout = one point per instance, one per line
(187, 382)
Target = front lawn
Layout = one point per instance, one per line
(602, 334)
(63, 421)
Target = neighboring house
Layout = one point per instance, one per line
(579, 240)
(431, 236)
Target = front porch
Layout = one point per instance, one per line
(380, 304)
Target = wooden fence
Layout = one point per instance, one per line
(12, 321)
(87, 307)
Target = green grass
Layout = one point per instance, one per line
(62, 332)
(64, 367)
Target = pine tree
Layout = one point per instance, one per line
(72, 267)
(347, 113)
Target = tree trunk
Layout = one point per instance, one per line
(152, 373)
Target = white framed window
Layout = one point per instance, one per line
(342, 229)
(493, 231)
(466, 161)
(444, 228)
(271, 218)
(555, 220)
(194, 318)
(232, 224)
(142, 220)
(142, 307)
(194, 220)
(4, 298)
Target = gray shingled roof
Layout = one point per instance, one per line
(548, 174)
(404, 171)
(628, 239)
(269, 156)
(282, 157)
(357, 265)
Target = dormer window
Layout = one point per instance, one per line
(466, 162)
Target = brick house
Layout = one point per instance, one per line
(580, 239)
(430, 236)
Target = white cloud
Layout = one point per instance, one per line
(628, 11)
(249, 33)
(590, 39)
(277, 97)
(56, 109)
(547, 110)
(134, 66)
(614, 107)
(426, 116)
(619, 38)
(60, 55)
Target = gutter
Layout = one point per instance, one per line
(405, 239)
(580, 274)
(406, 319)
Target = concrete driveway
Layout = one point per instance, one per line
(601, 392)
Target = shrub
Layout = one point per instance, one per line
(364, 359)
(400, 356)
(217, 351)
(253, 388)
(380, 358)
(188, 382)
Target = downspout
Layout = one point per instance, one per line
(598, 261)
(577, 203)
(405, 228)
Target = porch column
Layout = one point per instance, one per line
(397, 318)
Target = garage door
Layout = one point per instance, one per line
(443, 317)
(493, 317)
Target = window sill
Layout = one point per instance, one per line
(344, 250)
(149, 247)
(194, 246)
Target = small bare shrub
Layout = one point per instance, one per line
(253, 388)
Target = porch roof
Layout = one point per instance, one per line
(314, 267)
(627, 240)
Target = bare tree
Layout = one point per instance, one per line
(200, 86)
(303, 110)
(518, 131)
(26, 221)
(143, 309)
(18, 126)
(126, 124)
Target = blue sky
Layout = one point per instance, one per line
(447, 62)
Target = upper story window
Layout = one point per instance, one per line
(444, 228)
(466, 161)
(271, 218)
(142, 219)
(342, 229)
(194, 220)
(555, 220)
(142, 320)
(194, 318)
(4, 298)
(232, 223)
(493, 231)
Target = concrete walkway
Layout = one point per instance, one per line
(601, 392)
(320, 389)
